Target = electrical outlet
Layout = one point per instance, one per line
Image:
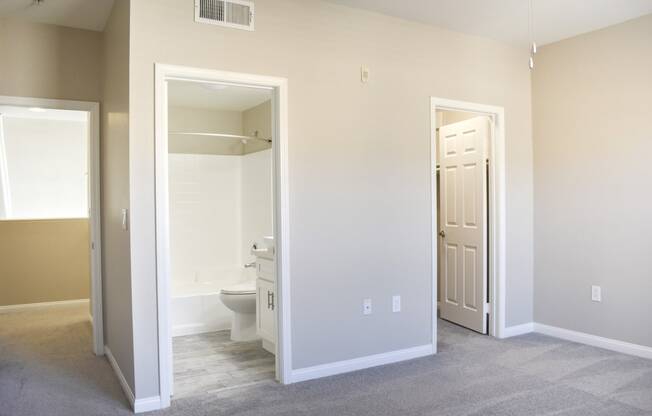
(596, 293)
(366, 307)
(396, 303)
(364, 74)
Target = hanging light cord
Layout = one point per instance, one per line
(533, 44)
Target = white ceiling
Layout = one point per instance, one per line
(506, 20)
(215, 96)
(80, 14)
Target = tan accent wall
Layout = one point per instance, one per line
(44, 261)
(592, 106)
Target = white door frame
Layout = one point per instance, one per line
(95, 241)
(497, 217)
(164, 73)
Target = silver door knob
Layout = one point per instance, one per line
(442, 234)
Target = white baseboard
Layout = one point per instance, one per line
(121, 377)
(515, 330)
(355, 364)
(594, 340)
(193, 329)
(146, 404)
(27, 306)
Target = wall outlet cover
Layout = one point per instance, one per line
(596, 293)
(396, 303)
(366, 307)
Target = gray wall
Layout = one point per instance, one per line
(359, 162)
(592, 105)
(115, 190)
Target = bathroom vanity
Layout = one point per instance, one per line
(266, 294)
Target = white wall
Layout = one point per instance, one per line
(205, 218)
(257, 209)
(219, 206)
(358, 162)
(47, 166)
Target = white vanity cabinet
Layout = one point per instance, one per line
(266, 302)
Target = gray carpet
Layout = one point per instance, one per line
(46, 369)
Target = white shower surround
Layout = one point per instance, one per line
(219, 205)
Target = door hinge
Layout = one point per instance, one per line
(487, 308)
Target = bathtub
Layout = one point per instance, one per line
(196, 306)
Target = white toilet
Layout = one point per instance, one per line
(241, 299)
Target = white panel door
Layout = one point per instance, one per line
(463, 214)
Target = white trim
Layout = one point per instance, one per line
(95, 243)
(163, 73)
(4, 173)
(41, 305)
(594, 340)
(361, 363)
(147, 404)
(195, 328)
(516, 330)
(497, 201)
(121, 378)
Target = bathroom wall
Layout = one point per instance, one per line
(205, 218)
(184, 119)
(220, 203)
(257, 209)
(257, 119)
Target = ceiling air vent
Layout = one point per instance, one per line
(238, 14)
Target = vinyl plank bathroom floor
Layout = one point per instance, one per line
(211, 362)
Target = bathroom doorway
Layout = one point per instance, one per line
(468, 216)
(221, 255)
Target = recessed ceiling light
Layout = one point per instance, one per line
(37, 110)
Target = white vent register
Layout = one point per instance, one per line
(237, 14)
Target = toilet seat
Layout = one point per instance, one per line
(240, 289)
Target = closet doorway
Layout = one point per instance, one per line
(468, 227)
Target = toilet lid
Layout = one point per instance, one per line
(248, 288)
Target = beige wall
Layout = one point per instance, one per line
(258, 119)
(46, 61)
(185, 119)
(116, 269)
(358, 162)
(592, 104)
(44, 261)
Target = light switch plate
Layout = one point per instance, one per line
(396, 303)
(596, 293)
(366, 307)
(364, 74)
